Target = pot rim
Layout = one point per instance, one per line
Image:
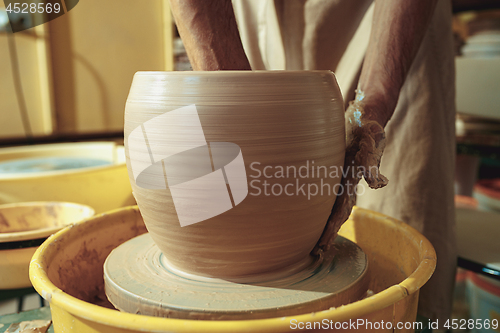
(239, 73)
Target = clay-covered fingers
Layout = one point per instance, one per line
(370, 142)
(365, 143)
(367, 138)
(342, 208)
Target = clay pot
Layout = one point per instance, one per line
(235, 172)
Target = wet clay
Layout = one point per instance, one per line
(80, 263)
(139, 279)
(279, 120)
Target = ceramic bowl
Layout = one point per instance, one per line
(23, 227)
(235, 172)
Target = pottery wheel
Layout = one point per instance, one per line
(138, 279)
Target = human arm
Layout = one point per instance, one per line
(210, 34)
(398, 29)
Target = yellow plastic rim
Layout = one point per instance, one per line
(86, 212)
(7, 177)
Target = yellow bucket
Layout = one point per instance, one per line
(67, 271)
(25, 225)
(103, 187)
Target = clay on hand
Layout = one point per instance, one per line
(365, 143)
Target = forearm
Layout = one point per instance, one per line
(397, 32)
(210, 34)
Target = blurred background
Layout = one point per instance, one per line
(67, 81)
(71, 75)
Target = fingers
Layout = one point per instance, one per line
(365, 140)
(370, 140)
(341, 209)
(367, 137)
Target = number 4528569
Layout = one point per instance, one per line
(462, 324)
(40, 8)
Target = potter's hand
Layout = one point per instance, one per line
(398, 28)
(365, 143)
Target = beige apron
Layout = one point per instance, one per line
(420, 153)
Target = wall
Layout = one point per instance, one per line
(96, 48)
(77, 69)
(31, 50)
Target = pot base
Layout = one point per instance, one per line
(138, 279)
